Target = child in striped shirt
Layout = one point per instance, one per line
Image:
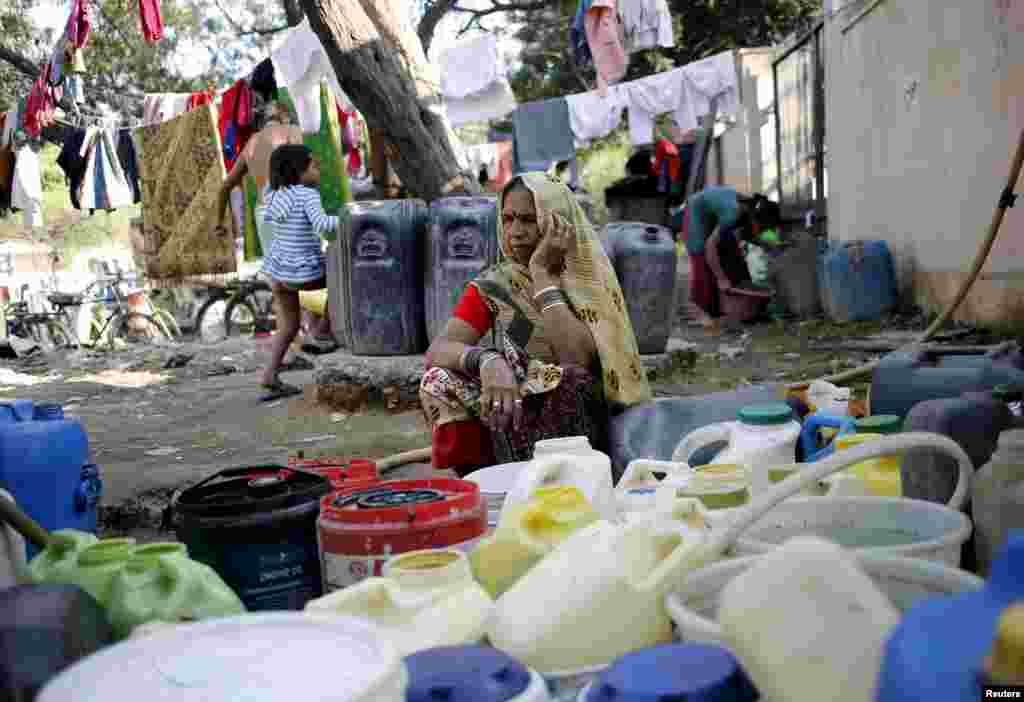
(295, 261)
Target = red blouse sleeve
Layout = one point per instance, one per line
(472, 310)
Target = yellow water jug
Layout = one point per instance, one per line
(881, 476)
(527, 532)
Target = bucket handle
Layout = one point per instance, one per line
(683, 558)
(699, 438)
(706, 629)
(246, 470)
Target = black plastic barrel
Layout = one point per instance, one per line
(381, 278)
(463, 240)
(257, 528)
(645, 259)
(43, 630)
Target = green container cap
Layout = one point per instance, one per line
(1007, 393)
(762, 415)
(880, 424)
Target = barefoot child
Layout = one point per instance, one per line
(295, 261)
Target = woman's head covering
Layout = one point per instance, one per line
(591, 285)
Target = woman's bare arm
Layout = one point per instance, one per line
(446, 350)
(233, 181)
(572, 341)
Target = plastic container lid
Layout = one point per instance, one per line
(880, 424)
(765, 415)
(684, 671)
(1012, 440)
(256, 658)
(464, 674)
(403, 501)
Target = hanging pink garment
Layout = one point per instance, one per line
(152, 22)
(41, 105)
(605, 38)
(79, 23)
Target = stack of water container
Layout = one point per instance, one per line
(857, 280)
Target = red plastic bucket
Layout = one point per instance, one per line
(342, 473)
(360, 528)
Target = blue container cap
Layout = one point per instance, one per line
(684, 671)
(464, 674)
(938, 648)
(48, 411)
(765, 415)
(16, 410)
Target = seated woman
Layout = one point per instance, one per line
(561, 353)
(721, 217)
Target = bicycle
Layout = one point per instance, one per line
(44, 328)
(123, 322)
(241, 308)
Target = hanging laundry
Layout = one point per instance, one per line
(182, 169)
(263, 81)
(235, 121)
(55, 75)
(300, 64)
(79, 23)
(646, 24)
(41, 105)
(199, 99)
(604, 36)
(160, 107)
(483, 157)
(128, 158)
(27, 188)
(73, 163)
(104, 186)
(578, 35)
(592, 116)
(74, 58)
(494, 103)
(152, 21)
(654, 95)
(667, 165)
(712, 77)
(6, 171)
(503, 172)
(542, 135)
(471, 67)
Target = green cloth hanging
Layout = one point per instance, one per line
(326, 144)
(253, 249)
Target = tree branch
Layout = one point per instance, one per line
(260, 32)
(431, 18)
(498, 6)
(22, 63)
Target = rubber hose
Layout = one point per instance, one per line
(1005, 202)
(386, 465)
(23, 524)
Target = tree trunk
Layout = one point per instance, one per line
(381, 66)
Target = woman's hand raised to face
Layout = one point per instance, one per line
(549, 256)
(500, 403)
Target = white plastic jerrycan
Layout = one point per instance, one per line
(763, 436)
(595, 597)
(805, 618)
(648, 485)
(568, 461)
(424, 599)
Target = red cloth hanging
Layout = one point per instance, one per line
(79, 23)
(199, 99)
(666, 151)
(235, 121)
(40, 107)
(355, 162)
(152, 21)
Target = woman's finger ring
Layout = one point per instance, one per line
(496, 404)
(519, 402)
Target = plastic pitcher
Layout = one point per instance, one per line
(58, 560)
(763, 435)
(528, 532)
(567, 461)
(810, 432)
(826, 620)
(161, 583)
(594, 598)
(425, 599)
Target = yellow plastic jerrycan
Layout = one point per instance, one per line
(881, 476)
(528, 531)
(160, 583)
(599, 595)
(58, 560)
(425, 599)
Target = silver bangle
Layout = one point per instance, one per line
(541, 292)
(492, 356)
(553, 304)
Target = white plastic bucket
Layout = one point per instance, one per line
(694, 604)
(495, 483)
(893, 526)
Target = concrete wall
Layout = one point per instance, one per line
(741, 145)
(925, 105)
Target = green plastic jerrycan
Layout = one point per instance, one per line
(99, 564)
(161, 583)
(59, 559)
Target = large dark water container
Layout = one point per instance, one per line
(904, 378)
(382, 271)
(463, 240)
(44, 463)
(645, 260)
(44, 629)
(858, 281)
(257, 528)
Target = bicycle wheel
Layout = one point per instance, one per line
(140, 328)
(240, 318)
(167, 321)
(60, 335)
(225, 317)
(210, 320)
